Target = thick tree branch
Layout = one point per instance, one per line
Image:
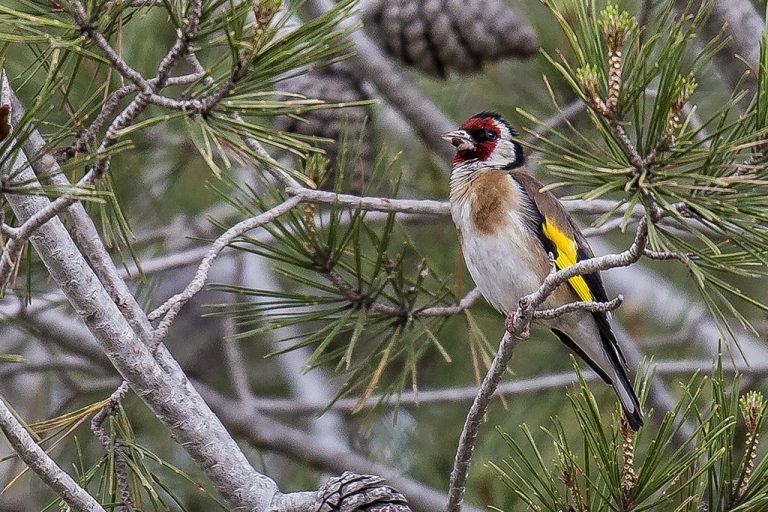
(160, 383)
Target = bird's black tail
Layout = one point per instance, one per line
(619, 380)
(628, 399)
(629, 402)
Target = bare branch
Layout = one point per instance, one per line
(474, 417)
(173, 305)
(465, 303)
(543, 383)
(593, 307)
(430, 207)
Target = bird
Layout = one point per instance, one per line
(511, 232)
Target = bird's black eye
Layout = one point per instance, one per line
(490, 135)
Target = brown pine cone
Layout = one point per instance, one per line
(334, 84)
(437, 36)
(351, 492)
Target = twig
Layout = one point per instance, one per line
(83, 21)
(172, 306)
(465, 303)
(88, 135)
(593, 307)
(469, 432)
(121, 466)
(38, 461)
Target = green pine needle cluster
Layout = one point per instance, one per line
(356, 289)
(607, 467)
(705, 187)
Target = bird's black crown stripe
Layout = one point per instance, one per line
(497, 117)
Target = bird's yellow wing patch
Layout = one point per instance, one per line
(566, 256)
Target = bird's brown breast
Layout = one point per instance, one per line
(492, 196)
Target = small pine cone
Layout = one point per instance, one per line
(334, 84)
(351, 492)
(436, 36)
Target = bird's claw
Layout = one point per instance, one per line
(509, 325)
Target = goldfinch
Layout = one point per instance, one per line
(508, 227)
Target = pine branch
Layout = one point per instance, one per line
(170, 308)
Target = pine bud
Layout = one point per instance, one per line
(587, 77)
(616, 27)
(685, 88)
(752, 407)
(437, 36)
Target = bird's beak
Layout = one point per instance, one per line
(460, 139)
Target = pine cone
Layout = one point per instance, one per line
(334, 84)
(351, 492)
(436, 36)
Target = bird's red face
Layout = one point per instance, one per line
(485, 138)
(484, 134)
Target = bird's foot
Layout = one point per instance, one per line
(513, 327)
